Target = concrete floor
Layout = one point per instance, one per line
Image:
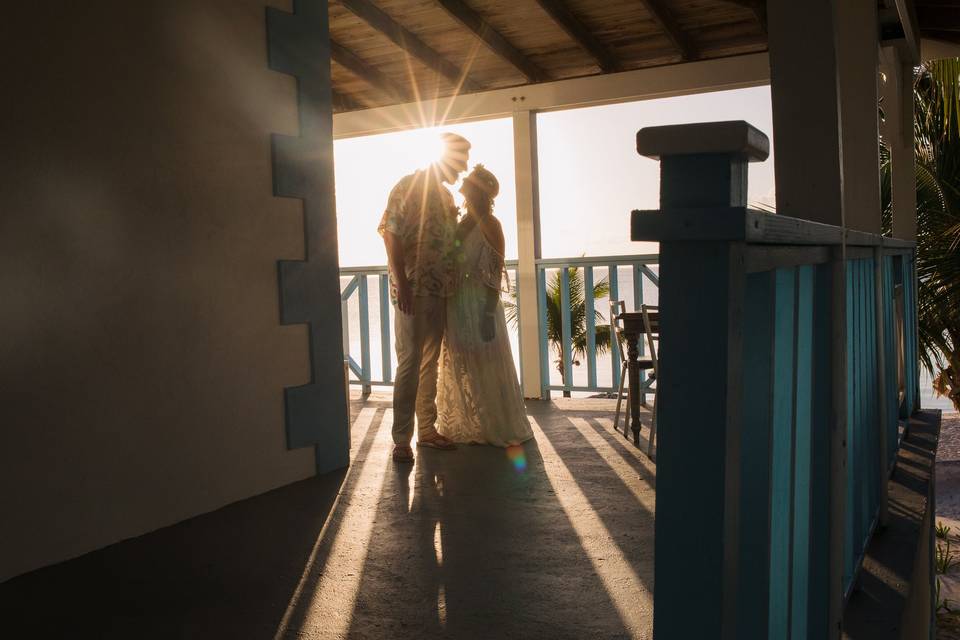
(554, 541)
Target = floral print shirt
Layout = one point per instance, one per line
(420, 211)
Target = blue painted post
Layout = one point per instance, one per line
(803, 457)
(783, 435)
(544, 344)
(637, 303)
(364, 334)
(385, 360)
(703, 166)
(590, 319)
(826, 525)
(566, 340)
(759, 350)
(614, 347)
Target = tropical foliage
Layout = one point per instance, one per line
(578, 317)
(937, 146)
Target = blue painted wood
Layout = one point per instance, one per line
(385, 334)
(691, 465)
(891, 361)
(566, 342)
(364, 299)
(868, 384)
(821, 498)
(654, 278)
(856, 443)
(355, 368)
(590, 320)
(316, 413)
(350, 288)
(637, 287)
(912, 363)
(614, 347)
(848, 553)
(637, 303)
(781, 456)
(753, 596)
(874, 423)
(544, 346)
(802, 558)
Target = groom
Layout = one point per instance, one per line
(419, 229)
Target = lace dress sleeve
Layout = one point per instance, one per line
(490, 269)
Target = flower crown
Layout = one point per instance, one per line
(485, 180)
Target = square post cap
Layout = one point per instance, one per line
(733, 137)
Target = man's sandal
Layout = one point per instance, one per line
(436, 441)
(402, 453)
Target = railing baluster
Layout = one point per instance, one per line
(566, 341)
(364, 333)
(641, 344)
(614, 347)
(387, 372)
(803, 495)
(513, 284)
(783, 425)
(544, 345)
(345, 316)
(590, 319)
(359, 284)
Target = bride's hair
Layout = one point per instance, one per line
(486, 184)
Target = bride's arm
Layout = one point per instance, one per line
(492, 230)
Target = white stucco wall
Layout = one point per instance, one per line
(142, 362)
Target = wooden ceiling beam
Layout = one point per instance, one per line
(492, 39)
(757, 7)
(665, 20)
(343, 102)
(368, 73)
(406, 40)
(560, 12)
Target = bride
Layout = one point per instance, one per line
(479, 399)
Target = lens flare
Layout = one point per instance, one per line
(518, 457)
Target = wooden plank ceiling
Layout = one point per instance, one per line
(392, 51)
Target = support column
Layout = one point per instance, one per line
(807, 121)
(528, 239)
(858, 76)
(805, 101)
(898, 134)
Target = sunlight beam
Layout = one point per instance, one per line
(632, 600)
(334, 597)
(645, 493)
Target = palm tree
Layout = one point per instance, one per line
(578, 317)
(937, 147)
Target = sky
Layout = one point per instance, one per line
(591, 176)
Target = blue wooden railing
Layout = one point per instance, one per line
(355, 284)
(787, 356)
(641, 268)
(358, 283)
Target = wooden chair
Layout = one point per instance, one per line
(651, 326)
(618, 307)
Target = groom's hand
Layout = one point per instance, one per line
(405, 298)
(487, 330)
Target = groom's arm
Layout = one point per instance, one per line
(398, 267)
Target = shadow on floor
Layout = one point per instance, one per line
(551, 541)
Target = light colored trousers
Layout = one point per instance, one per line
(418, 338)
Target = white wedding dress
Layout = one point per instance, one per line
(479, 398)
